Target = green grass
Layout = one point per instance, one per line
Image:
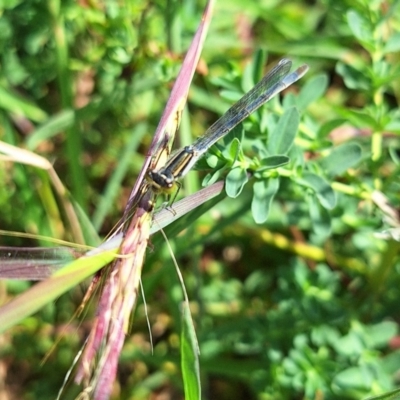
(302, 306)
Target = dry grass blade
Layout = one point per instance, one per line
(15, 154)
(117, 300)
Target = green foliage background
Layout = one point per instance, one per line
(302, 306)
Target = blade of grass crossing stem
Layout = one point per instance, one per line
(44, 292)
(189, 343)
(190, 357)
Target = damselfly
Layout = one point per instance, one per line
(179, 164)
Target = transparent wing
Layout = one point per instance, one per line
(273, 82)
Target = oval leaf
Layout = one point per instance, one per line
(360, 27)
(282, 137)
(342, 158)
(235, 181)
(234, 150)
(321, 220)
(322, 189)
(353, 78)
(393, 44)
(312, 90)
(264, 192)
(353, 382)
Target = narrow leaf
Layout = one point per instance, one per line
(190, 357)
(44, 292)
(53, 126)
(17, 105)
(36, 263)
(272, 162)
(359, 118)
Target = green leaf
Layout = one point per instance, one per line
(359, 118)
(234, 150)
(312, 91)
(321, 187)
(393, 44)
(53, 126)
(235, 181)
(353, 78)
(342, 158)
(320, 218)
(272, 162)
(378, 335)
(218, 165)
(237, 133)
(254, 70)
(110, 192)
(282, 137)
(392, 395)
(212, 177)
(361, 28)
(264, 192)
(190, 357)
(393, 125)
(296, 155)
(329, 126)
(393, 152)
(13, 68)
(212, 160)
(353, 382)
(17, 105)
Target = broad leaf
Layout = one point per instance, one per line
(312, 91)
(321, 187)
(264, 192)
(342, 158)
(235, 181)
(282, 137)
